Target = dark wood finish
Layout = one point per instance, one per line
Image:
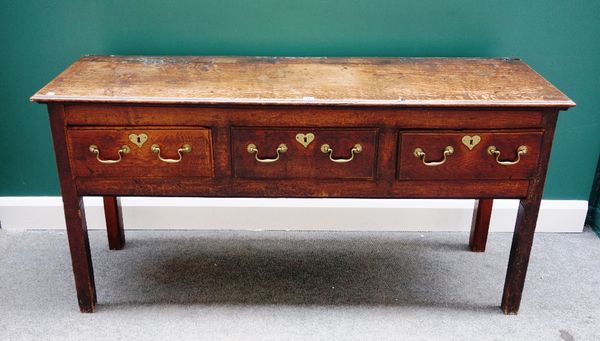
(79, 244)
(529, 208)
(307, 116)
(297, 188)
(304, 162)
(140, 161)
(220, 105)
(114, 223)
(481, 224)
(304, 81)
(465, 163)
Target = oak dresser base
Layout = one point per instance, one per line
(306, 127)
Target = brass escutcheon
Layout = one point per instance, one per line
(138, 139)
(471, 141)
(305, 139)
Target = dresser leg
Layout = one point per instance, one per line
(527, 216)
(79, 244)
(80, 254)
(480, 225)
(114, 223)
(519, 254)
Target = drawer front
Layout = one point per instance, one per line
(140, 152)
(469, 155)
(304, 153)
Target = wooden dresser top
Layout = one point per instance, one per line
(396, 82)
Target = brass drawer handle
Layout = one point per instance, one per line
(492, 150)
(186, 148)
(282, 148)
(328, 150)
(123, 150)
(421, 154)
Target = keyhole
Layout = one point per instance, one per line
(305, 139)
(471, 142)
(139, 140)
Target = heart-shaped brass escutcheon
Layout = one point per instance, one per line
(305, 139)
(138, 139)
(471, 141)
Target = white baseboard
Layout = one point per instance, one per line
(24, 213)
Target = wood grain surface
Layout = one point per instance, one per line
(317, 81)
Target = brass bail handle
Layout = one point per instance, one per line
(326, 149)
(123, 150)
(186, 148)
(251, 148)
(419, 153)
(492, 150)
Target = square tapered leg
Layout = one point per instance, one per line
(114, 223)
(480, 225)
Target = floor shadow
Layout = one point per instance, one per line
(306, 269)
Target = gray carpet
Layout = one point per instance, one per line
(232, 285)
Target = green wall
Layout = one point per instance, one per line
(40, 38)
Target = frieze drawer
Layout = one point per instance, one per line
(304, 153)
(140, 152)
(469, 155)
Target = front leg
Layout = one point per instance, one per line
(79, 244)
(81, 257)
(519, 254)
(527, 216)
